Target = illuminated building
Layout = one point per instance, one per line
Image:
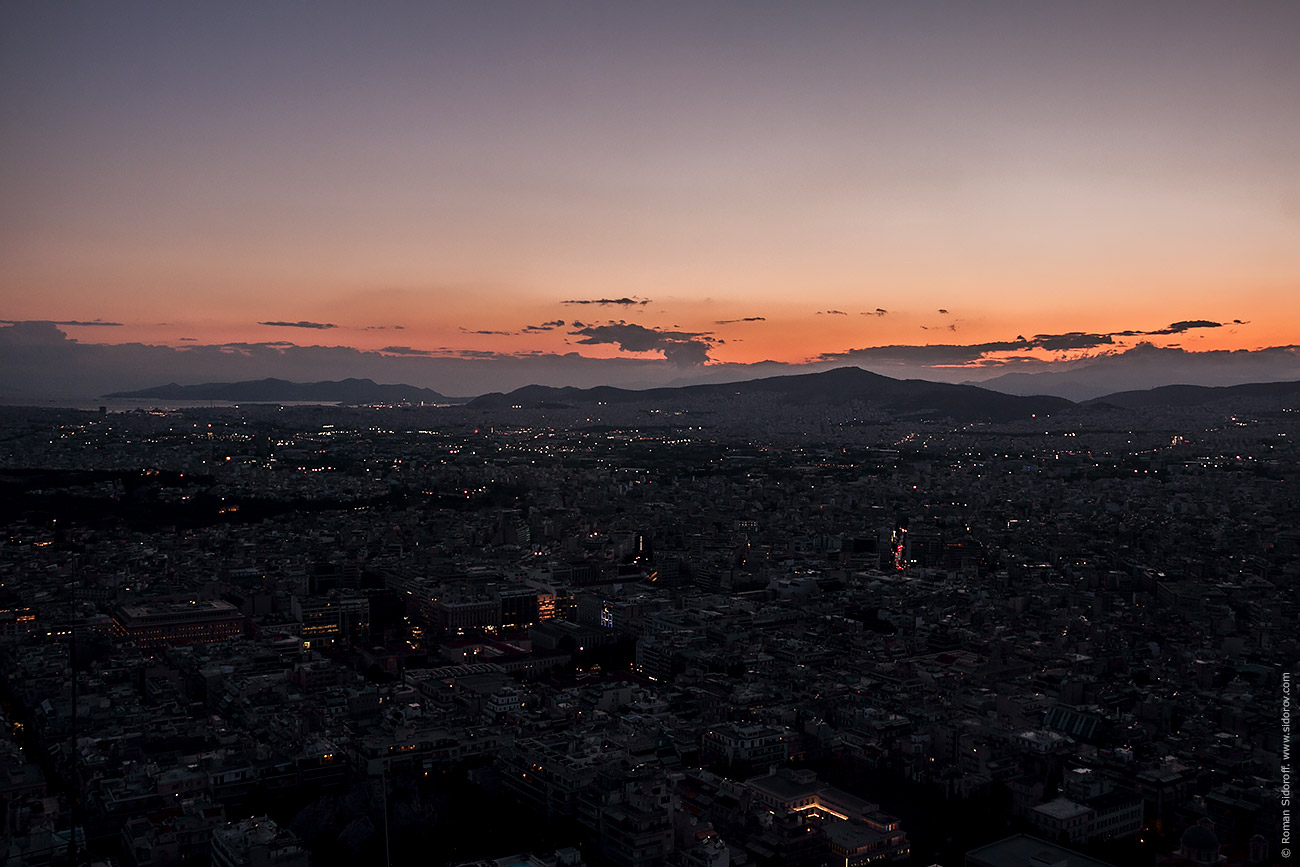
(510, 607)
(453, 616)
(898, 547)
(330, 617)
(424, 748)
(548, 774)
(856, 830)
(756, 747)
(523, 606)
(621, 613)
(17, 624)
(195, 622)
(860, 844)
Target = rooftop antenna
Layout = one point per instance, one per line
(388, 859)
(72, 665)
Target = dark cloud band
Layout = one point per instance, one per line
(622, 302)
(302, 323)
(947, 354)
(682, 348)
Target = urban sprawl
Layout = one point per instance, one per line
(752, 636)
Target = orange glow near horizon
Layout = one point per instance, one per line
(784, 336)
(767, 323)
(445, 183)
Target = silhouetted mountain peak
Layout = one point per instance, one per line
(839, 386)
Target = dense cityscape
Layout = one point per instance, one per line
(672, 434)
(749, 635)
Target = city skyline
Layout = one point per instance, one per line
(929, 189)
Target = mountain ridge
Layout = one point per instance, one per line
(346, 391)
(904, 397)
(840, 385)
(1148, 367)
(1195, 395)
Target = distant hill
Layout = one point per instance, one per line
(347, 391)
(1147, 366)
(839, 386)
(902, 397)
(1199, 395)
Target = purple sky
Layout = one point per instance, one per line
(790, 182)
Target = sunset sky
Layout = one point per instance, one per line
(695, 183)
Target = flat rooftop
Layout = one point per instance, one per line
(1025, 851)
(153, 609)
